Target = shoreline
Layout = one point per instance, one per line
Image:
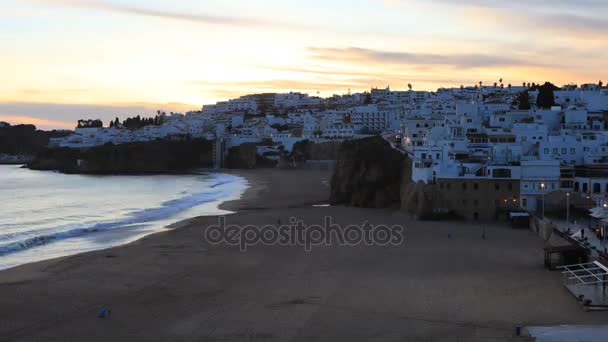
(175, 286)
(124, 235)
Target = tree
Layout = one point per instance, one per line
(522, 100)
(409, 86)
(546, 97)
(600, 84)
(368, 99)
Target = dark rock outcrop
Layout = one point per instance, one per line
(25, 140)
(368, 174)
(243, 156)
(159, 156)
(308, 150)
(422, 200)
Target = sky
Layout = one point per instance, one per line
(63, 60)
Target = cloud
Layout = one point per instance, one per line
(543, 4)
(148, 12)
(547, 25)
(362, 55)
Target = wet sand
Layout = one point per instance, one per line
(173, 286)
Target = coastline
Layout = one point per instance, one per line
(107, 226)
(174, 286)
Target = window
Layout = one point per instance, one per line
(585, 187)
(555, 151)
(464, 186)
(572, 150)
(564, 150)
(475, 203)
(576, 186)
(510, 186)
(447, 186)
(475, 186)
(464, 203)
(596, 188)
(497, 186)
(524, 203)
(546, 151)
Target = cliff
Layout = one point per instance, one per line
(308, 150)
(243, 156)
(24, 141)
(159, 156)
(368, 174)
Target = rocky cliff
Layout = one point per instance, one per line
(371, 174)
(23, 141)
(159, 156)
(243, 156)
(368, 174)
(308, 150)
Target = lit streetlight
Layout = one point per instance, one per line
(542, 187)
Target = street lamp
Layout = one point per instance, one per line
(542, 187)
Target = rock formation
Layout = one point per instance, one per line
(159, 156)
(243, 156)
(368, 174)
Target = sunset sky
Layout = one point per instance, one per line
(68, 59)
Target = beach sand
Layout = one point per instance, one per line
(173, 286)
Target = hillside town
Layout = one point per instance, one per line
(491, 146)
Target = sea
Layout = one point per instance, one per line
(45, 215)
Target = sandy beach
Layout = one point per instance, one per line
(444, 283)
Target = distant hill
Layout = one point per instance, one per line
(25, 139)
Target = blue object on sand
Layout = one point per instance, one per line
(102, 313)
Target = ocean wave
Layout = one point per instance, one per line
(223, 187)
